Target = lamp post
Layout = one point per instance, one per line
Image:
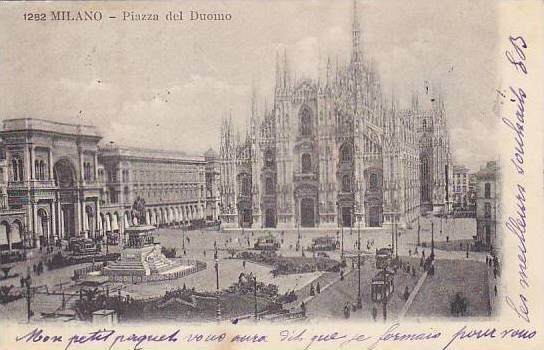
(392, 234)
(396, 224)
(341, 222)
(342, 242)
(384, 299)
(255, 296)
(418, 229)
(27, 281)
(432, 241)
(359, 303)
(218, 312)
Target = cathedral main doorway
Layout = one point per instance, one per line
(270, 218)
(346, 217)
(307, 212)
(374, 216)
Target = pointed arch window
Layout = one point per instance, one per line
(487, 190)
(246, 186)
(306, 163)
(346, 154)
(305, 122)
(269, 185)
(346, 183)
(269, 158)
(373, 181)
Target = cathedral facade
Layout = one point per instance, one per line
(334, 152)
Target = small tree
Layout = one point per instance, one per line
(138, 209)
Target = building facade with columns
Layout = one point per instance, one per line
(51, 176)
(172, 184)
(58, 182)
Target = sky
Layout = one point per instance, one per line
(167, 85)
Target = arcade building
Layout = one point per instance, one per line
(58, 181)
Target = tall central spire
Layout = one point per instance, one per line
(355, 33)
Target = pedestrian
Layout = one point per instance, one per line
(374, 313)
(23, 283)
(244, 264)
(495, 289)
(410, 252)
(447, 238)
(303, 308)
(346, 310)
(318, 288)
(413, 271)
(34, 268)
(467, 253)
(312, 292)
(341, 275)
(204, 252)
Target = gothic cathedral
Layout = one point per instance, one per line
(335, 152)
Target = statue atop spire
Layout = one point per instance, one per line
(355, 34)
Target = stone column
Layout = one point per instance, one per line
(28, 165)
(34, 224)
(31, 158)
(53, 218)
(62, 232)
(50, 164)
(81, 172)
(77, 215)
(97, 215)
(96, 166)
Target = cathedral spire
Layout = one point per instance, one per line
(279, 83)
(328, 71)
(285, 70)
(355, 36)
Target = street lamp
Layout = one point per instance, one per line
(183, 239)
(359, 303)
(255, 296)
(432, 241)
(27, 282)
(218, 313)
(341, 222)
(384, 299)
(395, 222)
(418, 229)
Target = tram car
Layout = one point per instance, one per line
(324, 243)
(267, 243)
(84, 246)
(382, 285)
(383, 257)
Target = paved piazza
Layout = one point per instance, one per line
(199, 244)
